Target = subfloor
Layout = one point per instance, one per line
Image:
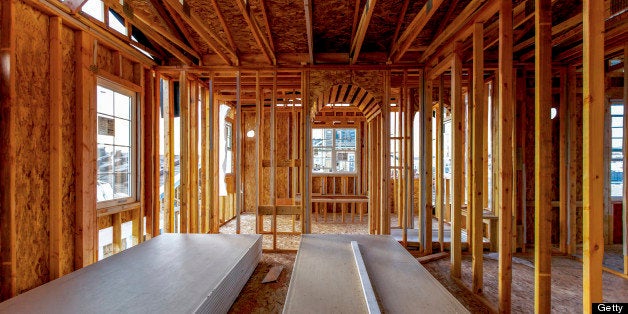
(566, 274)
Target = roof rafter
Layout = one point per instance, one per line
(261, 40)
(307, 4)
(266, 21)
(176, 26)
(360, 33)
(212, 39)
(223, 23)
(402, 15)
(155, 32)
(414, 28)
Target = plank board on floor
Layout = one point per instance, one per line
(171, 273)
(325, 278)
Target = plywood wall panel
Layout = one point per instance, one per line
(128, 71)
(69, 101)
(104, 59)
(32, 147)
(250, 162)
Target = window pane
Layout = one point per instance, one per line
(122, 159)
(617, 121)
(105, 100)
(117, 22)
(617, 132)
(617, 155)
(345, 161)
(617, 110)
(94, 8)
(616, 143)
(122, 185)
(123, 132)
(321, 160)
(104, 187)
(105, 158)
(345, 139)
(106, 129)
(322, 137)
(123, 106)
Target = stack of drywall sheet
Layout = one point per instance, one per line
(172, 273)
(325, 278)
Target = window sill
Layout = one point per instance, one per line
(106, 211)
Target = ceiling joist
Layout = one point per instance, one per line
(224, 26)
(414, 29)
(360, 33)
(259, 37)
(307, 4)
(213, 40)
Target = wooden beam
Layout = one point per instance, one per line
(86, 251)
(440, 183)
(193, 158)
(477, 158)
(56, 148)
(224, 25)
(426, 192)
(259, 37)
(155, 32)
(385, 155)
(273, 157)
(574, 162)
(457, 124)
(168, 105)
(308, 26)
(505, 164)
(259, 152)
(306, 143)
(238, 155)
(205, 163)
(358, 38)
(400, 20)
(147, 162)
(75, 5)
(414, 29)
(593, 165)
(542, 154)
(441, 67)
(214, 150)
(184, 159)
(563, 164)
(212, 39)
(625, 153)
(265, 21)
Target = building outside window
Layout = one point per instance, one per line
(617, 155)
(116, 145)
(334, 150)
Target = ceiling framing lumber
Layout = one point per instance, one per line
(176, 28)
(402, 15)
(259, 37)
(75, 5)
(307, 4)
(155, 32)
(414, 29)
(360, 33)
(223, 23)
(213, 40)
(265, 20)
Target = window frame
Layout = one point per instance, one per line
(620, 103)
(335, 151)
(134, 143)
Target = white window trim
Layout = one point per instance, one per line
(134, 147)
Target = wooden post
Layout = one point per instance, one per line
(193, 158)
(169, 158)
(205, 164)
(476, 208)
(625, 162)
(457, 125)
(86, 233)
(563, 163)
(273, 159)
(385, 163)
(56, 148)
(505, 164)
(259, 152)
(214, 150)
(404, 108)
(593, 164)
(306, 193)
(238, 155)
(542, 154)
(426, 192)
(156, 115)
(573, 161)
(184, 186)
(116, 223)
(440, 183)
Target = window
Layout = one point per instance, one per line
(333, 150)
(116, 172)
(617, 155)
(94, 8)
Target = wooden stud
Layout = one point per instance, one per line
(573, 161)
(214, 129)
(457, 159)
(259, 142)
(542, 153)
(385, 165)
(563, 186)
(169, 222)
(56, 149)
(306, 151)
(360, 34)
(426, 190)
(193, 158)
(116, 222)
(156, 89)
(403, 108)
(476, 208)
(440, 206)
(184, 162)
(593, 162)
(625, 162)
(205, 164)
(238, 155)
(147, 158)
(86, 234)
(273, 159)
(506, 115)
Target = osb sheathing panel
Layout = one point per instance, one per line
(202, 45)
(205, 10)
(265, 193)
(287, 24)
(283, 147)
(31, 138)
(129, 72)
(332, 23)
(382, 26)
(250, 161)
(145, 9)
(67, 214)
(104, 59)
(238, 27)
